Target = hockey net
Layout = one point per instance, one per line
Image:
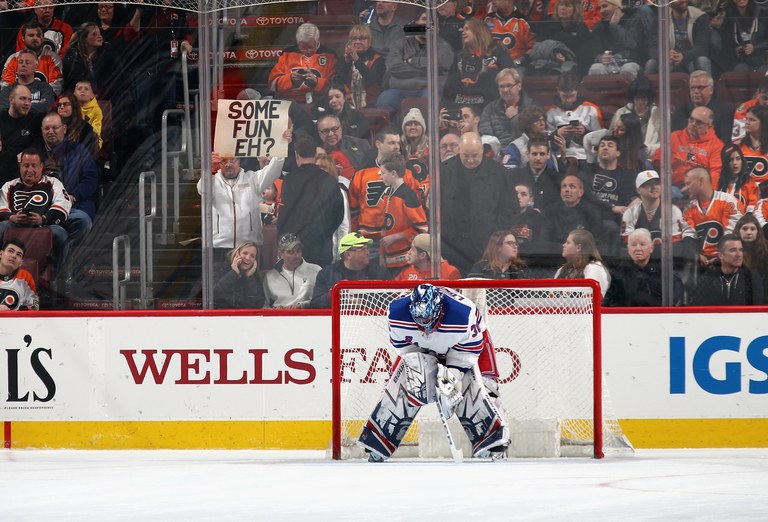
(547, 339)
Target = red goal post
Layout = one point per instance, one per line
(548, 346)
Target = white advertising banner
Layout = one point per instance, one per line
(679, 366)
(166, 368)
(261, 367)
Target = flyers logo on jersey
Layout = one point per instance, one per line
(36, 198)
(389, 221)
(374, 191)
(9, 298)
(757, 167)
(508, 40)
(709, 233)
(603, 183)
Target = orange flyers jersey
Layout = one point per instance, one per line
(739, 118)
(402, 213)
(514, 34)
(761, 212)
(411, 273)
(322, 64)
(366, 201)
(757, 163)
(747, 195)
(49, 70)
(474, 8)
(711, 223)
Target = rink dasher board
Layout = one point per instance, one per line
(270, 372)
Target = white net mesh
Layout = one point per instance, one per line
(544, 348)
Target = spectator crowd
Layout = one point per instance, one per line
(529, 187)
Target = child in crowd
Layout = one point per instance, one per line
(89, 106)
(404, 216)
(269, 205)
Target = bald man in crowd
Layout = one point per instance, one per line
(476, 199)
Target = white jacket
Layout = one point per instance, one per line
(236, 216)
(652, 136)
(597, 271)
(283, 288)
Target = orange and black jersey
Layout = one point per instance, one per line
(514, 34)
(757, 162)
(402, 213)
(747, 196)
(366, 200)
(411, 273)
(713, 221)
(322, 64)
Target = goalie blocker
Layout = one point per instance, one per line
(436, 332)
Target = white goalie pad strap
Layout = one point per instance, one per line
(420, 377)
(491, 386)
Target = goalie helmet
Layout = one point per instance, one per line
(426, 306)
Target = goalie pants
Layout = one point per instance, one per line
(412, 386)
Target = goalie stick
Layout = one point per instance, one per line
(458, 456)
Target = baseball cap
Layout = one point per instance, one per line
(353, 240)
(421, 241)
(288, 242)
(645, 176)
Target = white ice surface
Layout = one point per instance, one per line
(718, 485)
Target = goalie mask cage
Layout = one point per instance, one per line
(546, 334)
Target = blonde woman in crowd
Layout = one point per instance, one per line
(583, 261)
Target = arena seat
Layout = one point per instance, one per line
(334, 7)
(377, 119)
(543, 89)
(38, 243)
(411, 102)
(678, 83)
(734, 88)
(609, 92)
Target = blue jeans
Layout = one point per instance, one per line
(78, 225)
(391, 99)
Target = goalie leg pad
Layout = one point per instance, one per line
(485, 426)
(421, 377)
(492, 387)
(391, 417)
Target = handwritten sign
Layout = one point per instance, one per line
(251, 128)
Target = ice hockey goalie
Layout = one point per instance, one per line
(444, 348)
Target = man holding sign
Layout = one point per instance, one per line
(245, 128)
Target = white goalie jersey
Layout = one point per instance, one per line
(458, 335)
